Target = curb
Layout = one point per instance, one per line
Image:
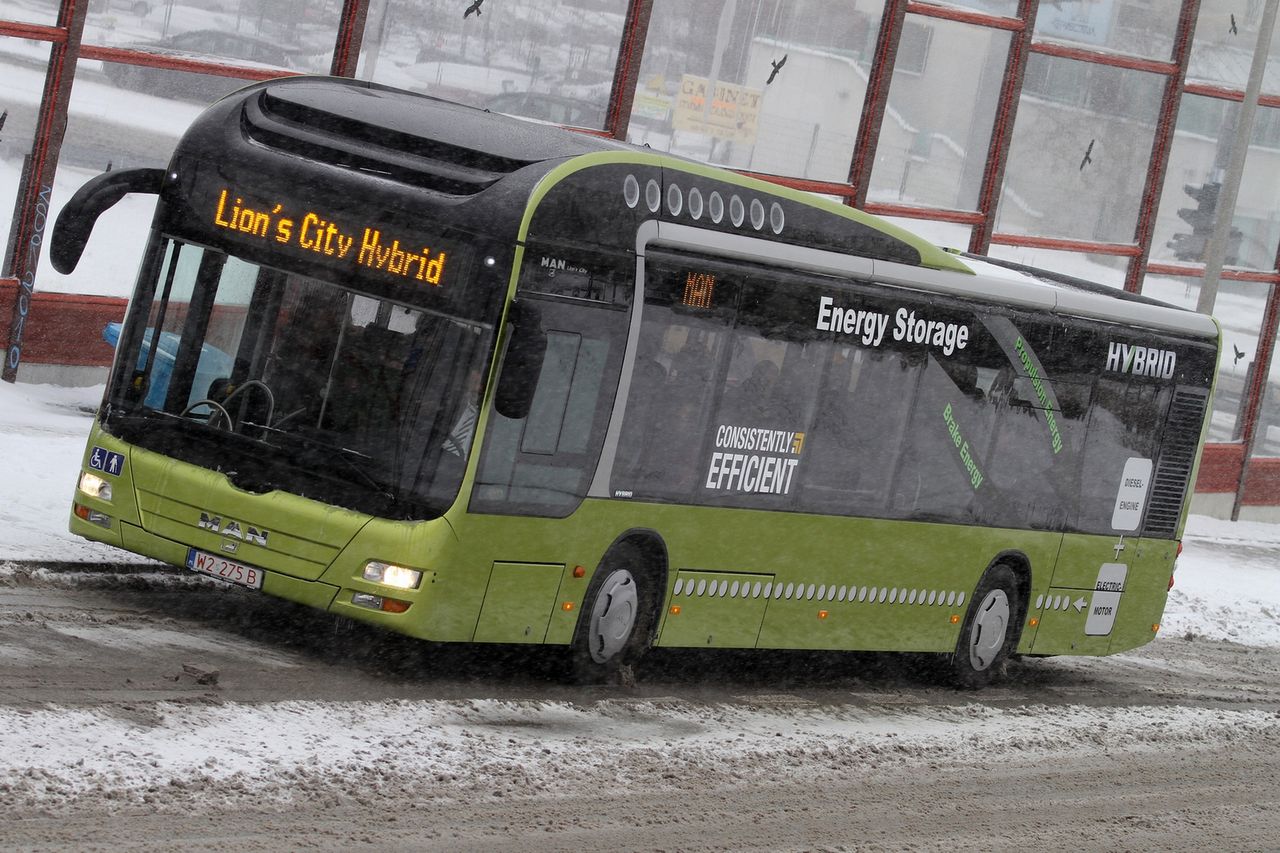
(69, 567)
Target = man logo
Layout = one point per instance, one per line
(233, 529)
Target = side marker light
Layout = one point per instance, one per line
(675, 610)
(92, 516)
(822, 614)
(579, 571)
(955, 618)
(568, 605)
(378, 602)
(1034, 622)
(1155, 628)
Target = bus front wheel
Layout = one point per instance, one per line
(617, 619)
(988, 635)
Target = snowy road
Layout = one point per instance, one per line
(314, 738)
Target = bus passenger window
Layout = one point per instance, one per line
(858, 431)
(944, 465)
(673, 388)
(1125, 421)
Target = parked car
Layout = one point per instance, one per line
(556, 109)
(210, 46)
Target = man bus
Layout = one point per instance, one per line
(478, 380)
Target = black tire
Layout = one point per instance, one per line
(618, 617)
(990, 630)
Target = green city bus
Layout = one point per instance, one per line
(479, 380)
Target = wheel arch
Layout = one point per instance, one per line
(654, 563)
(1020, 564)
(649, 544)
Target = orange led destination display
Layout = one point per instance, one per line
(698, 287)
(365, 246)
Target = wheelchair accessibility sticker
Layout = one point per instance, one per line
(106, 461)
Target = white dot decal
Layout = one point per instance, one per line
(653, 195)
(733, 590)
(1039, 601)
(702, 587)
(776, 217)
(913, 597)
(675, 200)
(755, 590)
(960, 600)
(737, 211)
(951, 598)
(768, 588)
(715, 206)
(893, 596)
(631, 191)
(884, 593)
(933, 596)
(679, 587)
(831, 593)
(724, 587)
(787, 592)
(695, 203)
(757, 214)
(862, 593)
(843, 590)
(822, 591)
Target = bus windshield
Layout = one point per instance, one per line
(282, 381)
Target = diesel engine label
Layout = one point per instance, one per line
(757, 461)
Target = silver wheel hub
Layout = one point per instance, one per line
(989, 630)
(614, 615)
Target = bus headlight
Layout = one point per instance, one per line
(391, 575)
(94, 486)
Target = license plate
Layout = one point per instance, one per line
(224, 569)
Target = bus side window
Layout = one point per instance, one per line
(857, 432)
(673, 385)
(944, 466)
(1125, 420)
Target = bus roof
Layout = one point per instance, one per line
(439, 146)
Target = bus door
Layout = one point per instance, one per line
(540, 466)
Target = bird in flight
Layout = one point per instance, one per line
(474, 7)
(1234, 31)
(1088, 155)
(1239, 355)
(777, 66)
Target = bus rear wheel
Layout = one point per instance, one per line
(988, 635)
(617, 619)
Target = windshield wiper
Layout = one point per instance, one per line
(343, 453)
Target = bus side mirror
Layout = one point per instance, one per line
(523, 363)
(78, 216)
